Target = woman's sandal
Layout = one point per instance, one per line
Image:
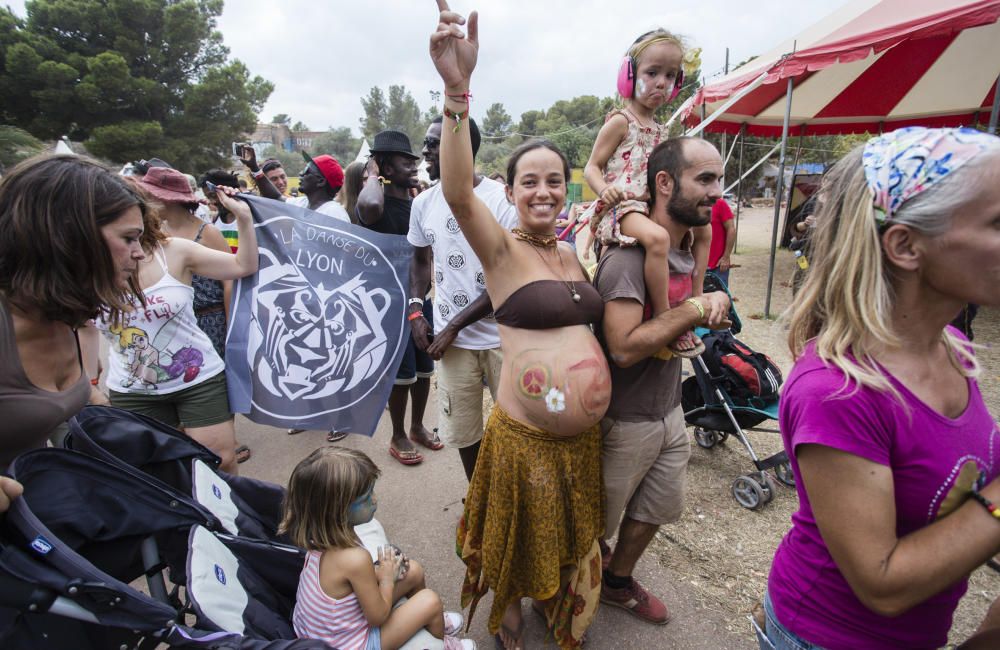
(690, 353)
(335, 436)
(517, 635)
(243, 454)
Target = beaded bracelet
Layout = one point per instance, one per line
(986, 503)
(458, 117)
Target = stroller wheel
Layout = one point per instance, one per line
(767, 483)
(705, 438)
(749, 493)
(784, 473)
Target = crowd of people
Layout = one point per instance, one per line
(583, 457)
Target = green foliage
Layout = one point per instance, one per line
(281, 118)
(16, 145)
(339, 143)
(300, 126)
(133, 78)
(292, 161)
(399, 112)
(496, 122)
(376, 112)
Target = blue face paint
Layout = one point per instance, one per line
(362, 509)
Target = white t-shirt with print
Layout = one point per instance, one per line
(458, 275)
(330, 208)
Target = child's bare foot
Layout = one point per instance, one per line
(687, 346)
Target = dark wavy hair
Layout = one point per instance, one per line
(531, 145)
(53, 257)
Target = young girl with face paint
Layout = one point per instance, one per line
(343, 599)
(617, 167)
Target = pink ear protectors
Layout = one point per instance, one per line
(630, 66)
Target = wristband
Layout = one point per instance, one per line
(458, 117)
(384, 181)
(257, 175)
(95, 381)
(415, 315)
(698, 306)
(415, 301)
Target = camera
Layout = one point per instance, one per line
(238, 148)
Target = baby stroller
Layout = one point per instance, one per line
(715, 414)
(131, 497)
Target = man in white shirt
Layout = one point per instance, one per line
(466, 344)
(319, 183)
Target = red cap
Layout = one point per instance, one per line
(329, 167)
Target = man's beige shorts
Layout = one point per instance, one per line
(460, 375)
(645, 469)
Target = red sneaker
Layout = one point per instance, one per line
(636, 600)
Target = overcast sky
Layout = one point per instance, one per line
(323, 57)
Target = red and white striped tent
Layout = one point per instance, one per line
(872, 65)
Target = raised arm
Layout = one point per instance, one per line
(248, 156)
(455, 56)
(371, 199)
(216, 264)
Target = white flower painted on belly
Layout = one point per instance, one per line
(555, 401)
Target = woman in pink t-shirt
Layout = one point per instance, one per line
(882, 417)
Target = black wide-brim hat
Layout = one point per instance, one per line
(392, 142)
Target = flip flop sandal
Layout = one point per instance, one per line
(433, 444)
(243, 454)
(406, 459)
(690, 353)
(517, 635)
(336, 436)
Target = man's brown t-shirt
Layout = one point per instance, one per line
(651, 388)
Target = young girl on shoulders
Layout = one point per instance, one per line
(651, 75)
(342, 598)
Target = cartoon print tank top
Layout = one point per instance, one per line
(160, 349)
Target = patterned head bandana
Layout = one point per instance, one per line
(903, 163)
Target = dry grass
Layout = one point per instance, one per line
(725, 551)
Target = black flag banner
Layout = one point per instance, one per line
(318, 333)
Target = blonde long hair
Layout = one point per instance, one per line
(320, 493)
(847, 299)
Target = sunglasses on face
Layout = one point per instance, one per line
(432, 143)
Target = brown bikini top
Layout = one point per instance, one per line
(547, 304)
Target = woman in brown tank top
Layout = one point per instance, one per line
(534, 508)
(69, 248)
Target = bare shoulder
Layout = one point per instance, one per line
(353, 561)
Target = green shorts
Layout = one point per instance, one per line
(201, 405)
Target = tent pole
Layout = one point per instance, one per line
(995, 113)
(779, 190)
(739, 184)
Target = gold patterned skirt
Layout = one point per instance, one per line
(533, 515)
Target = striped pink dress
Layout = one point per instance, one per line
(338, 621)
